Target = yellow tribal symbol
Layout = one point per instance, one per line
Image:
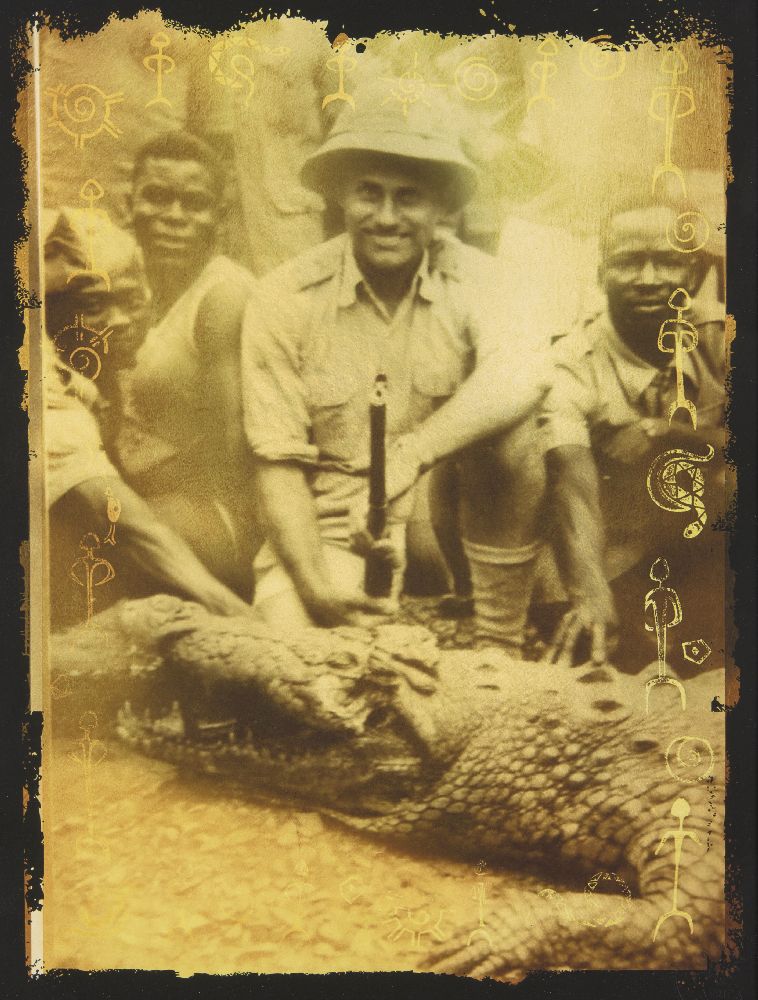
(90, 571)
(231, 63)
(600, 59)
(475, 79)
(689, 758)
(680, 810)
(543, 71)
(94, 218)
(410, 87)
(667, 612)
(159, 64)
(113, 510)
(602, 917)
(678, 329)
(341, 63)
(480, 895)
(416, 922)
(667, 105)
(592, 912)
(676, 484)
(81, 345)
(82, 111)
(91, 752)
(689, 232)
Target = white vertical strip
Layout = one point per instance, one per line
(36, 961)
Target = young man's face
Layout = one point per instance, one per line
(175, 211)
(390, 214)
(639, 273)
(118, 313)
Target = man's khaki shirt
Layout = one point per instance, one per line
(599, 386)
(315, 336)
(599, 382)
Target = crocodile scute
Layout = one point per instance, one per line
(557, 770)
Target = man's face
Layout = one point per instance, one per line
(390, 214)
(175, 211)
(640, 271)
(119, 313)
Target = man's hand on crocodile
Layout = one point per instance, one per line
(333, 606)
(222, 601)
(593, 617)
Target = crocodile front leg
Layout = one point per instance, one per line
(559, 931)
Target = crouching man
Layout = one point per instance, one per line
(390, 296)
(94, 329)
(608, 416)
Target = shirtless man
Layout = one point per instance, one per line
(94, 329)
(179, 437)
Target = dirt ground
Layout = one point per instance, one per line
(166, 873)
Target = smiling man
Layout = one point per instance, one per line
(607, 416)
(394, 295)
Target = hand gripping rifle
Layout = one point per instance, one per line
(377, 580)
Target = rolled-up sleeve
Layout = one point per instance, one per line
(276, 417)
(566, 412)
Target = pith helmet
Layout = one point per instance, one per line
(418, 136)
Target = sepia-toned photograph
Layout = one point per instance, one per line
(381, 607)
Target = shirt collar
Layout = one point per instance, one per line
(424, 282)
(634, 373)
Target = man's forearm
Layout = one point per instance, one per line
(489, 401)
(291, 524)
(574, 488)
(161, 553)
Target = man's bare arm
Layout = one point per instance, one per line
(490, 401)
(291, 524)
(574, 490)
(217, 335)
(161, 553)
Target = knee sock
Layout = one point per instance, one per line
(502, 581)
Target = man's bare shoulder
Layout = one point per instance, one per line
(219, 315)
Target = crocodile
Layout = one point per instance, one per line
(556, 770)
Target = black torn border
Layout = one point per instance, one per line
(728, 22)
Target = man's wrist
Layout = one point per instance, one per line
(590, 589)
(418, 445)
(314, 592)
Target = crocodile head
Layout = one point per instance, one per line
(343, 717)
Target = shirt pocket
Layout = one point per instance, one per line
(438, 371)
(339, 421)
